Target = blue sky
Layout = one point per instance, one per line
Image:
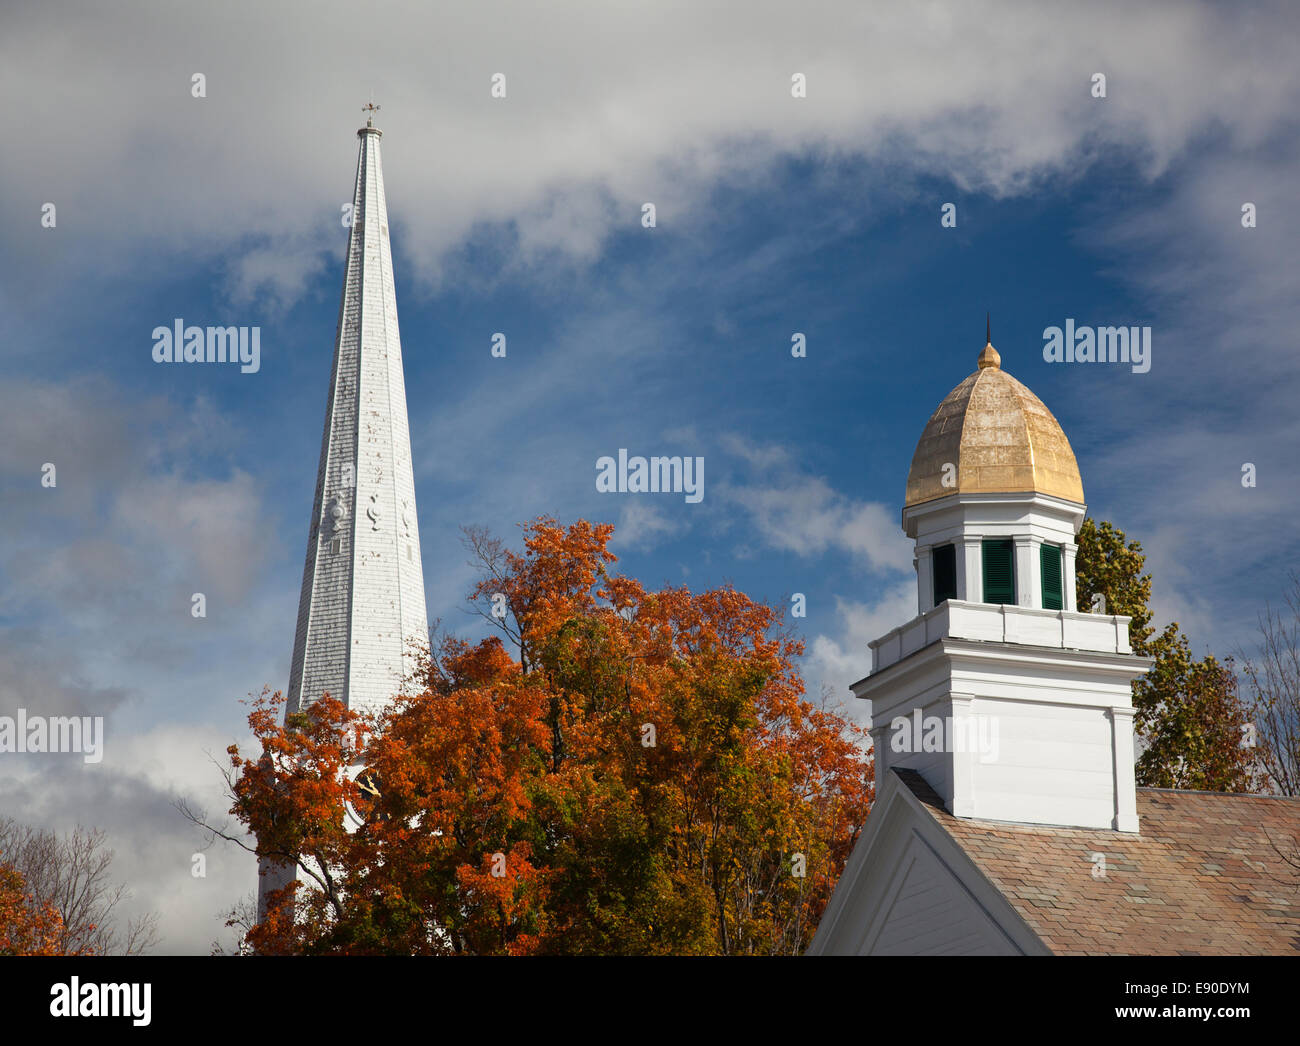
(775, 215)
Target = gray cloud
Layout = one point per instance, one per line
(100, 570)
(606, 109)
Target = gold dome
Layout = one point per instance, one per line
(1000, 438)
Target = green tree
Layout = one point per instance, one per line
(1189, 719)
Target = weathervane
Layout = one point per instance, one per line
(370, 109)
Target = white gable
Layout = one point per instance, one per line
(908, 889)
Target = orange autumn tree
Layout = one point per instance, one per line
(638, 773)
(27, 926)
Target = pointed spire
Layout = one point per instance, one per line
(989, 356)
(362, 594)
(362, 598)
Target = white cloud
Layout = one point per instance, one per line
(132, 796)
(835, 661)
(642, 526)
(277, 273)
(800, 513)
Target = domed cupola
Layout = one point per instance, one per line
(994, 499)
(998, 437)
(1008, 702)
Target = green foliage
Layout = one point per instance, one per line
(1105, 563)
(1188, 716)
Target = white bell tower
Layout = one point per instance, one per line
(1008, 701)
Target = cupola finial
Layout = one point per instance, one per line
(988, 357)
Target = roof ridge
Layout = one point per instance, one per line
(1233, 795)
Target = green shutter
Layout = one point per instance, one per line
(1053, 594)
(999, 574)
(944, 567)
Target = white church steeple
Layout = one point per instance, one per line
(362, 599)
(1009, 702)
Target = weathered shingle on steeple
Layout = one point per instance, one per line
(362, 597)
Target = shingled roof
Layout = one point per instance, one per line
(1204, 876)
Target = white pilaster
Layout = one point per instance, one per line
(1121, 724)
(1027, 570)
(1067, 577)
(970, 569)
(880, 747)
(963, 759)
(924, 578)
